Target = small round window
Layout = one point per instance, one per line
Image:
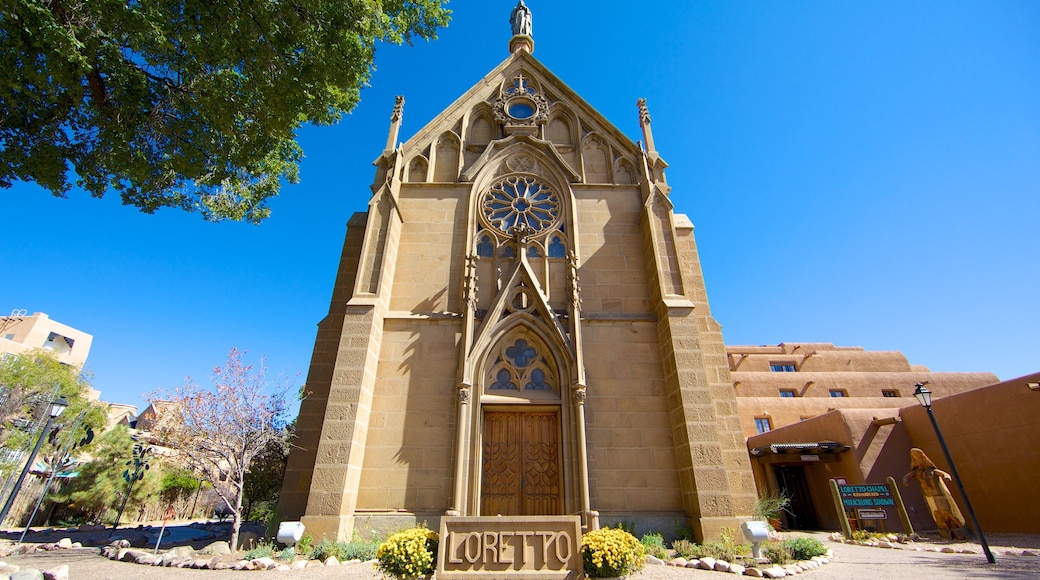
(519, 199)
(520, 109)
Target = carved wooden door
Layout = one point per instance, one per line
(521, 465)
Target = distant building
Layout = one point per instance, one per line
(794, 381)
(21, 333)
(993, 434)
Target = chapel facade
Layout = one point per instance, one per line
(519, 326)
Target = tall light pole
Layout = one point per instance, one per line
(924, 396)
(56, 408)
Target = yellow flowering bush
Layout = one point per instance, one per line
(408, 554)
(611, 552)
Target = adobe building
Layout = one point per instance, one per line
(21, 333)
(519, 326)
(992, 432)
(794, 381)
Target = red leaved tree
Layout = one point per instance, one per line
(221, 431)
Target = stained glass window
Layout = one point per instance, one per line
(537, 381)
(502, 382)
(485, 249)
(557, 249)
(519, 199)
(521, 353)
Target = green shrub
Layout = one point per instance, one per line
(326, 549)
(264, 549)
(727, 549)
(358, 549)
(686, 549)
(653, 542)
(306, 545)
(805, 548)
(776, 553)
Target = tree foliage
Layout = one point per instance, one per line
(191, 104)
(100, 486)
(222, 432)
(29, 382)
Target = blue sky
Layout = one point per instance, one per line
(862, 173)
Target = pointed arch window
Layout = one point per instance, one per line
(522, 367)
(557, 249)
(485, 248)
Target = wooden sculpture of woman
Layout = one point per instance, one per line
(945, 512)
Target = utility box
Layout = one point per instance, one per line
(290, 532)
(755, 532)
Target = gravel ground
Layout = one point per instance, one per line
(850, 562)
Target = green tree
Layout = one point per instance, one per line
(29, 382)
(99, 488)
(191, 104)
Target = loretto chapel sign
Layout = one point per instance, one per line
(520, 547)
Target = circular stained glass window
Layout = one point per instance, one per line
(520, 109)
(520, 199)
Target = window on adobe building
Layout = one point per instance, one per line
(838, 393)
(763, 424)
(784, 367)
(787, 394)
(889, 393)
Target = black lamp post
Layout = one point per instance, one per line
(56, 408)
(924, 396)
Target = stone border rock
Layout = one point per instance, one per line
(899, 542)
(773, 571)
(216, 556)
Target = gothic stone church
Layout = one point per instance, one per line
(519, 326)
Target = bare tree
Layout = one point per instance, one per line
(222, 430)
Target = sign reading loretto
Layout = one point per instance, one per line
(510, 547)
(859, 496)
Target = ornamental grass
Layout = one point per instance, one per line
(408, 554)
(611, 553)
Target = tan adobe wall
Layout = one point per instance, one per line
(32, 332)
(993, 435)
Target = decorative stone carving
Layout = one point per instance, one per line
(579, 395)
(463, 395)
(520, 107)
(521, 163)
(398, 108)
(644, 113)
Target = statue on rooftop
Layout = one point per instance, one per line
(944, 510)
(520, 18)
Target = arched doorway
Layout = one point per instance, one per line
(521, 459)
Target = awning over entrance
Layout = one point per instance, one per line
(798, 449)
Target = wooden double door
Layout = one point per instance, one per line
(521, 463)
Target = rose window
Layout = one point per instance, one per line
(520, 200)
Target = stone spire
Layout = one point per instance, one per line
(395, 124)
(520, 21)
(644, 124)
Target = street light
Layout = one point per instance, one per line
(924, 396)
(57, 407)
